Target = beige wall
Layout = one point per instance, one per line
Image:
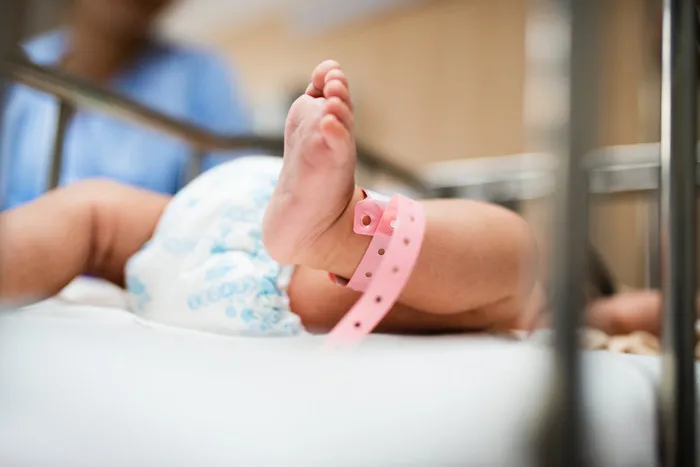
(439, 81)
(444, 80)
(626, 117)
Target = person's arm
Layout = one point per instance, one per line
(91, 227)
(219, 105)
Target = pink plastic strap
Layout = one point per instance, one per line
(368, 213)
(386, 267)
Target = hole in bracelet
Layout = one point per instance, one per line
(358, 324)
(395, 269)
(381, 252)
(378, 299)
(406, 241)
(366, 220)
(368, 274)
(413, 219)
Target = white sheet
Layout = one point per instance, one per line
(86, 386)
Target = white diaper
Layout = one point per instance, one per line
(206, 267)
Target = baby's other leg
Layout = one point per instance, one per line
(90, 227)
(626, 312)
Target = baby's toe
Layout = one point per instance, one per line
(336, 107)
(337, 74)
(318, 77)
(335, 133)
(337, 89)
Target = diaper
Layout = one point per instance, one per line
(205, 266)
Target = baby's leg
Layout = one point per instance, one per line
(321, 304)
(90, 227)
(475, 258)
(472, 272)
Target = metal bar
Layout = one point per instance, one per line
(83, 94)
(65, 113)
(194, 165)
(677, 231)
(568, 294)
(615, 169)
(6, 44)
(12, 14)
(562, 59)
(652, 260)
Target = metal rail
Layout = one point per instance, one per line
(562, 59)
(84, 94)
(615, 169)
(569, 138)
(678, 231)
(65, 113)
(12, 15)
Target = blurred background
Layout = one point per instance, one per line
(433, 80)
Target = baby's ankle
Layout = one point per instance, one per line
(339, 250)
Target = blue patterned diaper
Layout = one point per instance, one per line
(205, 267)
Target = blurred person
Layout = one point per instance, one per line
(111, 42)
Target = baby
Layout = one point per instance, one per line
(247, 248)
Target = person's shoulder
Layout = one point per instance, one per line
(200, 58)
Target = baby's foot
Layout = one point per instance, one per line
(317, 181)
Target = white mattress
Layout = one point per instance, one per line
(83, 386)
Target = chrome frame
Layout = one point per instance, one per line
(571, 138)
(678, 231)
(562, 57)
(81, 94)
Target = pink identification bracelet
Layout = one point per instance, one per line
(397, 228)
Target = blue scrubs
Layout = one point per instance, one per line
(184, 83)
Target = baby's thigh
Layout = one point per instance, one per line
(321, 304)
(206, 268)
